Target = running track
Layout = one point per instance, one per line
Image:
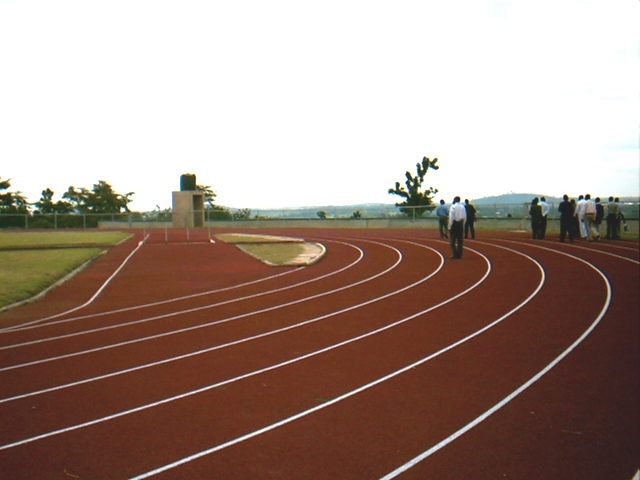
(384, 360)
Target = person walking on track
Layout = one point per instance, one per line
(442, 212)
(566, 217)
(471, 220)
(457, 217)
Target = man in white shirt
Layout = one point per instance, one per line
(580, 214)
(590, 217)
(457, 217)
(545, 212)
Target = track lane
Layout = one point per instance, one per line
(294, 326)
(253, 287)
(318, 439)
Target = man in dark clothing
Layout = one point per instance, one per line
(471, 219)
(457, 217)
(566, 217)
(613, 222)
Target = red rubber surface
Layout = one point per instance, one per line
(385, 352)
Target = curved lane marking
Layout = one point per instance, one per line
(366, 386)
(176, 299)
(221, 346)
(235, 379)
(88, 302)
(179, 312)
(147, 305)
(524, 386)
(272, 367)
(194, 327)
(579, 247)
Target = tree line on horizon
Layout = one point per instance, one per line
(100, 199)
(103, 199)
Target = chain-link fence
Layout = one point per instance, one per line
(487, 214)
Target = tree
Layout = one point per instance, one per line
(242, 214)
(12, 202)
(209, 195)
(416, 201)
(46, 206)
(101, 199)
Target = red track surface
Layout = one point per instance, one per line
(195, 361)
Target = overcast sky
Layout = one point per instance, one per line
(295, 103)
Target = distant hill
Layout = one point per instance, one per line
(514, 198)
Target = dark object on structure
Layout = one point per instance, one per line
(187, 182)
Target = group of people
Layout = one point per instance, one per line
(455, 223)
(538, 213)
(577, 219)
(584, 218)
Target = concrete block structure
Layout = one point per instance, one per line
(188, 204)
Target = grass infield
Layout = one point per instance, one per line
(33, 261)
(271, 249)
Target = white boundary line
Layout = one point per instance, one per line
(221, 346)
(266, 369)
(524, 386)
(153, 304)
(88, 302)
(369, 385)
(180, 312)
(577, 247)
(203, 325)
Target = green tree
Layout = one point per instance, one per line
(416, 200)
(46, 205)
(11, 202)
(242, 214)
(101, 199)
(209, 195)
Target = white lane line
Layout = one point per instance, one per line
(203, 325)
(273, 367)
(256, 372)
(577, 247)
(28, 326)
(88, 302)
(152, 304)
(524, 386)
(363, 387)
(225, 345)
(266, 369)
(180, 312)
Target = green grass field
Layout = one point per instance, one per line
(11, 240)
(32, 261)
(274, 253)
(275, 250)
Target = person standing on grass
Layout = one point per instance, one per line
(457, 218)
(545, 211)
(471, 220)
(566, 217)
(442, 212)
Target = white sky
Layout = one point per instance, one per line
(294, 103)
